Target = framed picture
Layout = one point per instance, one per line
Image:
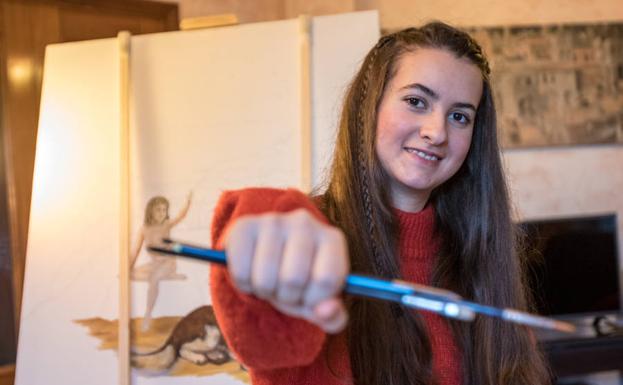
(556, 85)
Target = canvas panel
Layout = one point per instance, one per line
(340, 43)
(71, 265)
(225, 115)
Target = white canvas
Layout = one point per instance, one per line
(340, 43)
(71, 264)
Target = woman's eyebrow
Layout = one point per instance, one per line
(422, 88)
(435, 96)
(465, 105)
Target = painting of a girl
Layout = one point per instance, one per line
(156, 226)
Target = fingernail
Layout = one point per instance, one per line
(325, 310)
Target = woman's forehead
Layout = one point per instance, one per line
(440, 71)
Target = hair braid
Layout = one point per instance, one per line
(363, 179)
(364, 174)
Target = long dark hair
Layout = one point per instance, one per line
(477, 256)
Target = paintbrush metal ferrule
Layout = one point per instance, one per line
(446, 308)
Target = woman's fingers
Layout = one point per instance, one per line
(294, 261)
(267, 259)
(330, 267)
(240, 249)
(331, 315)
(298, 255)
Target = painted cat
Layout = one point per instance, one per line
(195, 338)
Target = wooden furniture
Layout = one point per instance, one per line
(26, 27)
(7, 374)
(583, 356)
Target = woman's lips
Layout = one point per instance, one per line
(424, 154)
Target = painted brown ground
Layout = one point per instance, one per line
(160, 328)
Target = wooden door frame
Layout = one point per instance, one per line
(18, 223)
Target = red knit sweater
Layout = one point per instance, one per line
(278, 349)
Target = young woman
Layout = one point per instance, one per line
(416, 192)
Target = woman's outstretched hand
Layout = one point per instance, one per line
(293, 261)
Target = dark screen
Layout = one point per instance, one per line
(573, 265)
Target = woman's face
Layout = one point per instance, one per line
(425, 123)
(159, 212)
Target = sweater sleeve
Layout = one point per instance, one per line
(261, 337)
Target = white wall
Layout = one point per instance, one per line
(402, 13)
(567, 181)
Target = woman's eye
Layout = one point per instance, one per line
(415, 102)
(460, 118)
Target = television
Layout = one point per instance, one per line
(573, 267)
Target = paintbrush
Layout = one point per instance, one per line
(440, 301)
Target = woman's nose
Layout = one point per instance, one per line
(433, 129)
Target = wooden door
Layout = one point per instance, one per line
(26, 27)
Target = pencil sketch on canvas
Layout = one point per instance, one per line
(192, 345)
(557, 84)
(178, 345)
(156, 226)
